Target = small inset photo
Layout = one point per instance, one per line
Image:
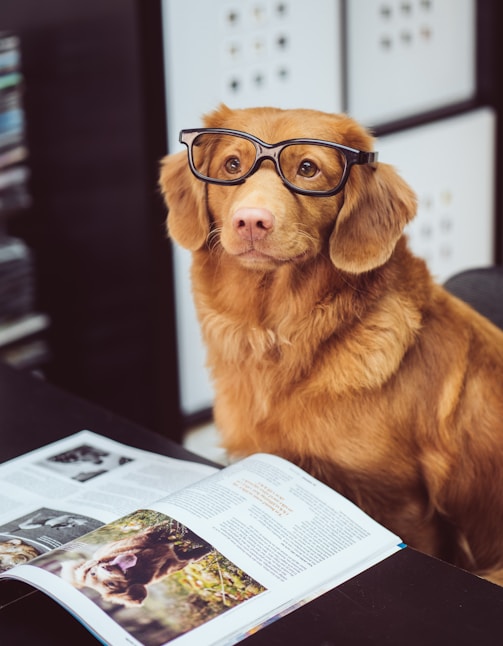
(84, 462)
(40, 531)
(16, 551)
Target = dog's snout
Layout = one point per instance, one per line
(253, 223)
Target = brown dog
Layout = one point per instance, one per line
(121, 571)
(328, 341)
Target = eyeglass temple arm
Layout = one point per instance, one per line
(366, 158)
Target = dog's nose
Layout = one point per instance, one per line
(253, 223)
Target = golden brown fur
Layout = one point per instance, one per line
(338, 351)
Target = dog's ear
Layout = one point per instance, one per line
(378, 203)
(188, 220)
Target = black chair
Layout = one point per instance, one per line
(482, 288)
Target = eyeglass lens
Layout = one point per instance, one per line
(226, 157)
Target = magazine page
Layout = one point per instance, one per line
(70, 487)
(214, 561)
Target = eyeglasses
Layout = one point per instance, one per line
(307, 166)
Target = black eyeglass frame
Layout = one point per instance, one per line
(272, 152)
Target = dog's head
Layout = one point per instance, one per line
(14, 552)
(263, 223)
(110, 577)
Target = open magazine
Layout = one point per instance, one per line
(150, 550)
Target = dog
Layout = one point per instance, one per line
(329, 343)
(15, 552)
(121, 571)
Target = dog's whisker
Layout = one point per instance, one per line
(213, 237)
(303, 233)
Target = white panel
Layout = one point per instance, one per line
(409, 56)
(284, 53)
(450, 165)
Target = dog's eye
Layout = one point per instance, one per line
(307, 168)
(233, 165)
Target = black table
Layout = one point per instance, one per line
(407, 599)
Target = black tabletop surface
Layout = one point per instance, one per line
(409, 598)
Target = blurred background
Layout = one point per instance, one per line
(93, 297)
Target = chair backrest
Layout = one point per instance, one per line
(482, 288)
